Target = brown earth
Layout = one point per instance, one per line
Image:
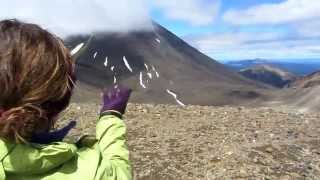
(199, 142)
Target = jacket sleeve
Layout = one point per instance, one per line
(115, 163)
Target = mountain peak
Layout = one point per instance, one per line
(159, 67)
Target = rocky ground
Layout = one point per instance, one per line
(170, 142)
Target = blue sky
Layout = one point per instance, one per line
(246, 29)
(184, 28)
(222, 29)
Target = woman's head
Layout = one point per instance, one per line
(36, 79)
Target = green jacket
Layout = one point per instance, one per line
(107, 159)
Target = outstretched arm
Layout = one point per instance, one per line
(112, 144)
(111, 133)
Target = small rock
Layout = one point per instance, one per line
(269, 149)
(243, 173)
(285, 177)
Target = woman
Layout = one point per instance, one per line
(36, 82)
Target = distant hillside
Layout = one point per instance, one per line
(302, 93)
(308, 81)
(268, 74)
(298, 67)
(159, 67)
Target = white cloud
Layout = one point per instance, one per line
(230, 46)
(308, 28)
(194, 12)
(301, 18)
(279, 13)
(66, 17)
(232, 39)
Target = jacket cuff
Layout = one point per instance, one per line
(111, 112)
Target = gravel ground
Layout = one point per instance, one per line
(196, 142)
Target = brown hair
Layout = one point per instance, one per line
(36, 79)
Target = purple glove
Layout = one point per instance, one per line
(55, 136)
(115, 101)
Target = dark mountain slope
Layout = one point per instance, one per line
(183, 70)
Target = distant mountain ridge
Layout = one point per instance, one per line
(269, 74)
(295, 67)
(249, 62)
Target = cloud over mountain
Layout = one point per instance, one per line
(66, 17)
(194, 12)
